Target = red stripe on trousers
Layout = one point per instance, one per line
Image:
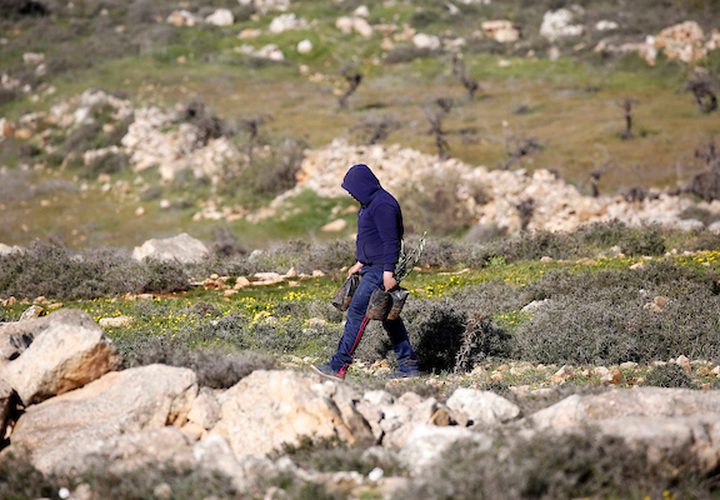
(359, 334)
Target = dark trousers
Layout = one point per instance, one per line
(372, 278)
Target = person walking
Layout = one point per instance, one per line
(377, 250)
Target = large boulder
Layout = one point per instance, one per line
(64, 356)
(658, 420)
(427, 444)
(8, 249)
(60, 434)
(182, 247)
(16, 336)
(268, 409)
(481, 408)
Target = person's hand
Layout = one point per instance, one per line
(354, 269)
(389, 281)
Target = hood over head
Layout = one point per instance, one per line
(361, 183)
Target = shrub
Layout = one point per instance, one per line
(436, 332)
(19, 479)
(332, 455)
(432, 205)
(50, 269)
(607, 317)
(558, 466)
(669, 375)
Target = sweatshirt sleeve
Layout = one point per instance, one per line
(388, 225)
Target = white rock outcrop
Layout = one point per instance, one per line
(557, 24)
(62, 433)
(270, 408)
(183, 248)
(60, 358)
(482, 408)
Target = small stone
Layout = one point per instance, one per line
(617, 377)
(304, 46)
(317, 273)
(684, 362)
(334, 226)
(628, 365)
(563, 374)
(376, 474)
(637, 266)
(229, 293)
(163, 491)
(116, 322)
(241, 282)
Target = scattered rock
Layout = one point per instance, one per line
(657, 305)
(535, 306)
(32, 312)
(562, 375)
(684, 362)
(605, 25)
(357, 24)
(287, 22)
(265, 6)
(183, 18)
(266, 279)
(684, 41)
(116, 322)
(183, 248)
(482, 408)
(425, 41)
(241, 282)
(7, 249)
(559, 24)
(60, 434)
(221, 17)
(304, 46)
(270, 52)
(501, 31)
(297, 404)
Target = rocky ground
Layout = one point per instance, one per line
(72, 416)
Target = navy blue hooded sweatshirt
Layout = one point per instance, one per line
(380, 224)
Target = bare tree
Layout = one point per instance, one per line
(252, 125)
(707, 184)
(627, 107)
(377, 129)
(435, 118)
(354, 78)
(518, 148)
(526, 210)
(703, 86)
(471, 85)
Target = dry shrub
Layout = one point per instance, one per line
(549, 466)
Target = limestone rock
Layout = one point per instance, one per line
(221, 17)
(335, 226)
(61, 358)
(296, 404)
(636, 402)
(124, 453)
(501, 31)
(7, 249)
(182, 247)
(482, 408)
(425, 41)
(205, 410)
(6, 401)
(559, 24)
(661, 421)
(287, 22)
(182, 18)
(116, 321)
(61, 433)
(427, 444)
(357, 24)
(17, 336)
(684, 41)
